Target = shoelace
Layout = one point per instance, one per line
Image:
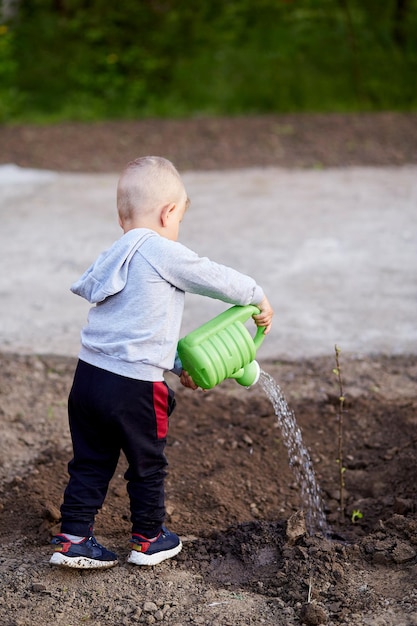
(94, 542)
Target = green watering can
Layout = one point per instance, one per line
(223, 348)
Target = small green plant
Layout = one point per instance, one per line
(342, 469)
(356, 515)
(310, 590)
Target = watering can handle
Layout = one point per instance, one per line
(234, 314)
(243, 313)
(259, 337)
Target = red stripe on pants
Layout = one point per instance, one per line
(160, 403)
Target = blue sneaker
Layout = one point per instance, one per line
(85, 554)
(152, 551)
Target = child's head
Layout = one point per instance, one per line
(150, 193)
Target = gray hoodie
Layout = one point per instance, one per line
(138, 288)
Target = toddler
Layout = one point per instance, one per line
(119, 400)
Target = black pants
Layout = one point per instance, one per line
(109, 413)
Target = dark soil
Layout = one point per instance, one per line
(206, 143)
(231, 494)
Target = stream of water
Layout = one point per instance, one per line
(299, 458)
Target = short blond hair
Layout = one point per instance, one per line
(146, 184)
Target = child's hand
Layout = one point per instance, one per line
(187, 381)
(265, 316)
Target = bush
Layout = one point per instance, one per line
(71, 59)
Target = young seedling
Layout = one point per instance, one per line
(342, 469)
(310, 590)
(356, 515)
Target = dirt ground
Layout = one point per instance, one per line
(231, 494)
(208, 144)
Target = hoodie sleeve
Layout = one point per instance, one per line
(184, 269)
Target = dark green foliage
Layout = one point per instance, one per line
(63, 59)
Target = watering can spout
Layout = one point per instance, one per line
(248, 375)
(223, 348)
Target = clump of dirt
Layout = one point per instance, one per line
(232, 497)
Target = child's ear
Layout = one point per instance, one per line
(166, 212)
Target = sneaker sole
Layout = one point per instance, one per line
(79, 562)
(140, 558)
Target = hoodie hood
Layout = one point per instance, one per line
(108, 274)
